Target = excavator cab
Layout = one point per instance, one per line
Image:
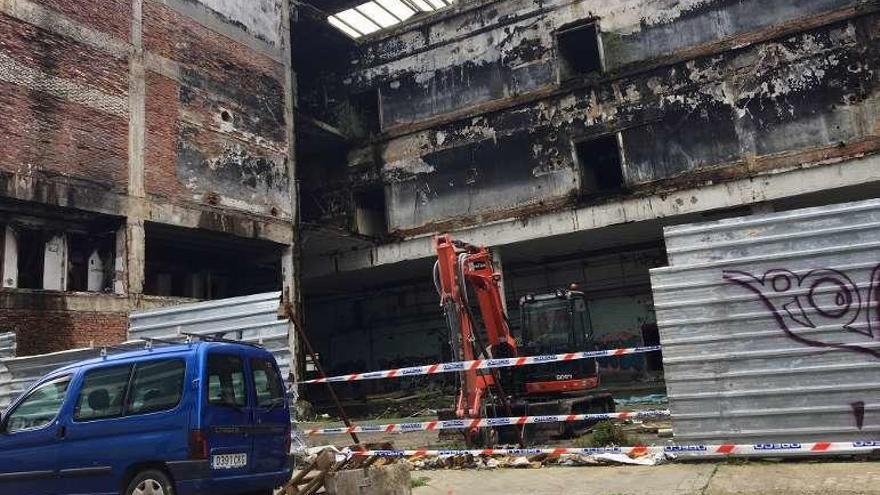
(556, 323)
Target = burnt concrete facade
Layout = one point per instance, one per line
(563, 129)
(146, 159)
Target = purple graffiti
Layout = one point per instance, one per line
(859, 413)
(820, 298)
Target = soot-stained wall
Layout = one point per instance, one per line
(476, 124)
(216, 129)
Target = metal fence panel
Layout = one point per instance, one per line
(251, 318)
(770, 325)
(17, 374)
(7, 345)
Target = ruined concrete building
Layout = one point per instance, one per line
(565, 134)
(148, 152)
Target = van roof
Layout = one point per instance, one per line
(162, 350)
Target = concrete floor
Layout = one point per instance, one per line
(753, 478)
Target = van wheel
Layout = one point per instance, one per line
(151, 482)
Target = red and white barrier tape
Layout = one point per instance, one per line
(481, 364)
(458, 424)
(716, 450)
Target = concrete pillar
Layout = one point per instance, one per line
(290, 259)
(9, 270)
(130, 241)
(135, 256)
(120, 268)
(55, 263)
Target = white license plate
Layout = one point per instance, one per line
(228, 461)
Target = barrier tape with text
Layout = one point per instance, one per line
(699, 450)
(457, 424)
(482, 364)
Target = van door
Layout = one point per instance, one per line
(227, 416)
(29, 441)
(94, 442)
(271, 416)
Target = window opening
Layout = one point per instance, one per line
(580, 50)
(601, 165)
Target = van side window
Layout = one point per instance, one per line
(40, 407)
(226, 381)
(102, 393)
(157, 386)
(267, 383)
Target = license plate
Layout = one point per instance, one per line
(229, 461)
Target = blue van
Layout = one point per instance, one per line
(204, 417)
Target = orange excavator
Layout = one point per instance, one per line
(553, 323)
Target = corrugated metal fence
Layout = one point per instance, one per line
(770, 325)
(7, 345)
(17, 374)
(251, 318)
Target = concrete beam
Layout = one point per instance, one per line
(741, 192)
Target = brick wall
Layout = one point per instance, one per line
(41, 331)
(64, 107)
(108, 16)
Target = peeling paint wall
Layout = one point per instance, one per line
(477, 126)
(261, 18)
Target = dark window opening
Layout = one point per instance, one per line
(370, 211)
(90, 262)
(201, 265)
(580, 50)
(31, 254)
(367, 117)
(601, 165)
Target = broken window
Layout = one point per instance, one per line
(601, 165)
(579, 50)
(370, 211)
(90, 263)
(31, 247)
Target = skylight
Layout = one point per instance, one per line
(372, 16)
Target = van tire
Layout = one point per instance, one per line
(151, 481)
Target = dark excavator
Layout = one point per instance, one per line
(553, 323)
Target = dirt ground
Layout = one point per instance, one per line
(751, 478)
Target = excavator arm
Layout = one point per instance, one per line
(461, 266)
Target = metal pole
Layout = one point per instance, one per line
(302, 334)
